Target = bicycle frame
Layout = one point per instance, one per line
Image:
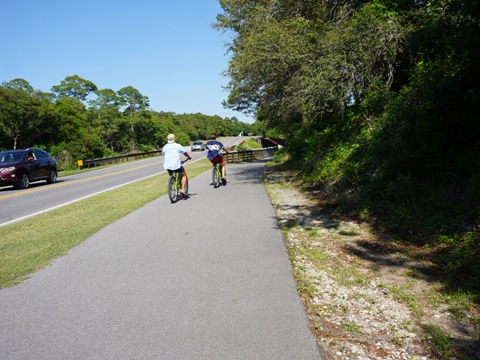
(178, 181)
(175, 186)
(216, 174)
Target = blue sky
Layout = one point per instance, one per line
(166, 49)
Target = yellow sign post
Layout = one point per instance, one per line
(80, 163)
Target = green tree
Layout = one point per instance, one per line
(26, 116)
(105, 116)
(17, 114)
(18, 84)
(293, 63)
(74, 86)
(72, 119)
(106, 99)
(61, 121)
(133, 101)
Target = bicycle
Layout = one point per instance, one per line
(217, 175)
(175, 185)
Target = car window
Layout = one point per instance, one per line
(6, 157)
(39, 154)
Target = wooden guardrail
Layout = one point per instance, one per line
(249, 155)
(231, 157)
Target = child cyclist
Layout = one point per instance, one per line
(214, 148)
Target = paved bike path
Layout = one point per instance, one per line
(205, 278)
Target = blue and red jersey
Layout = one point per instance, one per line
(213, 149)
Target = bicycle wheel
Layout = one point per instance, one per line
(216, 176)
(172, 189)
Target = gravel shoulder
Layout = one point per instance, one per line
(368, 297)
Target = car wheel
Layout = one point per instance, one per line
(52, 177)
(24, 182)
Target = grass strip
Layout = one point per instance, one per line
(31, 244)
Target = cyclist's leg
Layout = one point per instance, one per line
(184, 181)
(224, 168)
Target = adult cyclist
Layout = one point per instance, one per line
(171, 160)
(214, 147)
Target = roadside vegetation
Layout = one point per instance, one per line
(29, 245)
(249, 144)
(379, 103)
(369, 295)
(78, 121)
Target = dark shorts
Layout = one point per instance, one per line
(217, 159)
(179, 170)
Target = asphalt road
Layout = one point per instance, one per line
(19, 204)
(205, 278)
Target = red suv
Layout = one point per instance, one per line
(21, 167)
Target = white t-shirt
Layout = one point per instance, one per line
(171, 156)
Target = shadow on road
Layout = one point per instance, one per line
(243, 173)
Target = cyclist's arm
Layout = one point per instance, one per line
(187, 155)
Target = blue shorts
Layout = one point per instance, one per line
(179, 170)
